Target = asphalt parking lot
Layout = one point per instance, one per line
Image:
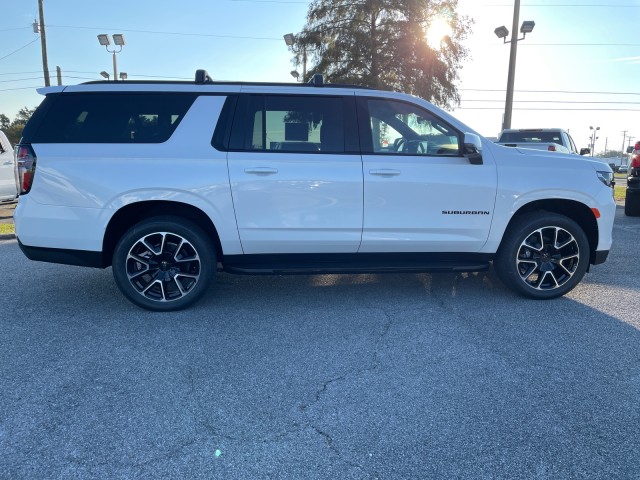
(349, 377)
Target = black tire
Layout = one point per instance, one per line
(164, 263)
(632, 202)
(543, 255)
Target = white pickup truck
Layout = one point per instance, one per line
(550, 139)
(8, 186)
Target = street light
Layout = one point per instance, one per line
(123, 75)
(104, 74)
(502, 32)
(290, 41)
(593, 138)
(118, 40)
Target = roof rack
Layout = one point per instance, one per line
(317, 80)
(202, 76)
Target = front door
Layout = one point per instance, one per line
(420, 193)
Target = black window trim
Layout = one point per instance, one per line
(35, 123)
(241, 127)
(366, 138)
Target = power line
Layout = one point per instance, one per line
(168, 33)
(24, 46)
(11, 29)
(554, 102)
(549, 91)
(20, 88)
(556, 109)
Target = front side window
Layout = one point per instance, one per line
(406, 129)
(113, 118)
(295, 124)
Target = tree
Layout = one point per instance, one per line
(383, 44)
(4, 121)
(13, 130)
(23, 116)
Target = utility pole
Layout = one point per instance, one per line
(59, 75)
(512, 66)
(622, 150)
(43, 41)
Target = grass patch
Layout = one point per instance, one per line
(619, 192)
(7, 228)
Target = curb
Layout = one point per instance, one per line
(8, 236)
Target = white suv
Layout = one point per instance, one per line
(8, 183)
(168, 181)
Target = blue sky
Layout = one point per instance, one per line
(578, 68)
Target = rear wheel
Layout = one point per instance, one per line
(164, 263)
(543, 255)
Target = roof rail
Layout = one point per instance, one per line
(202, 76)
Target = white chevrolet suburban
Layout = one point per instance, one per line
(167, 182)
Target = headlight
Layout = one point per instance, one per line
(606, 178)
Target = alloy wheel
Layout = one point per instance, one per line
(548, 258)
(163, 266)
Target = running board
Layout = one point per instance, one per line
(318, 269)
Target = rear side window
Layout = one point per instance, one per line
(112, 118)
(278, 123)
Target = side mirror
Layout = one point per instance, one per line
(585, 151)
(472, 148)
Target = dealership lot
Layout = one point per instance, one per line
(367, 376)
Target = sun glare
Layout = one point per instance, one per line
(438, 29)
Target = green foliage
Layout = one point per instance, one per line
(4, 122)
(382, 44)
(13, 129)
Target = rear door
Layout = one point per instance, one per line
(296, 174)
(420, 193)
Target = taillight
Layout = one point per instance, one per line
(551, 148)
(26, 160)
(635, 161)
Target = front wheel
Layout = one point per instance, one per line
(164, 263)
(543, 255)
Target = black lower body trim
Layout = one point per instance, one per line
(322, 263)
(82, 258)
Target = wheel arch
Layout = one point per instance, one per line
(577, 211)
(134, 213)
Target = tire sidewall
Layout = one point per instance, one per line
(505, 261)
(184, 228)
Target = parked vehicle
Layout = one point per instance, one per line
(166, 181)
(8, 185)
(632, 198)
(550, 139)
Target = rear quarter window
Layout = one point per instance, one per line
(111, 117)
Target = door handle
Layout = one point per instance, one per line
(261, 170)
(384, 172)
(8, 162)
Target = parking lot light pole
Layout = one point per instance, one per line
(118, 40)
(290, 41)
(503, 32)
(593, 138)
